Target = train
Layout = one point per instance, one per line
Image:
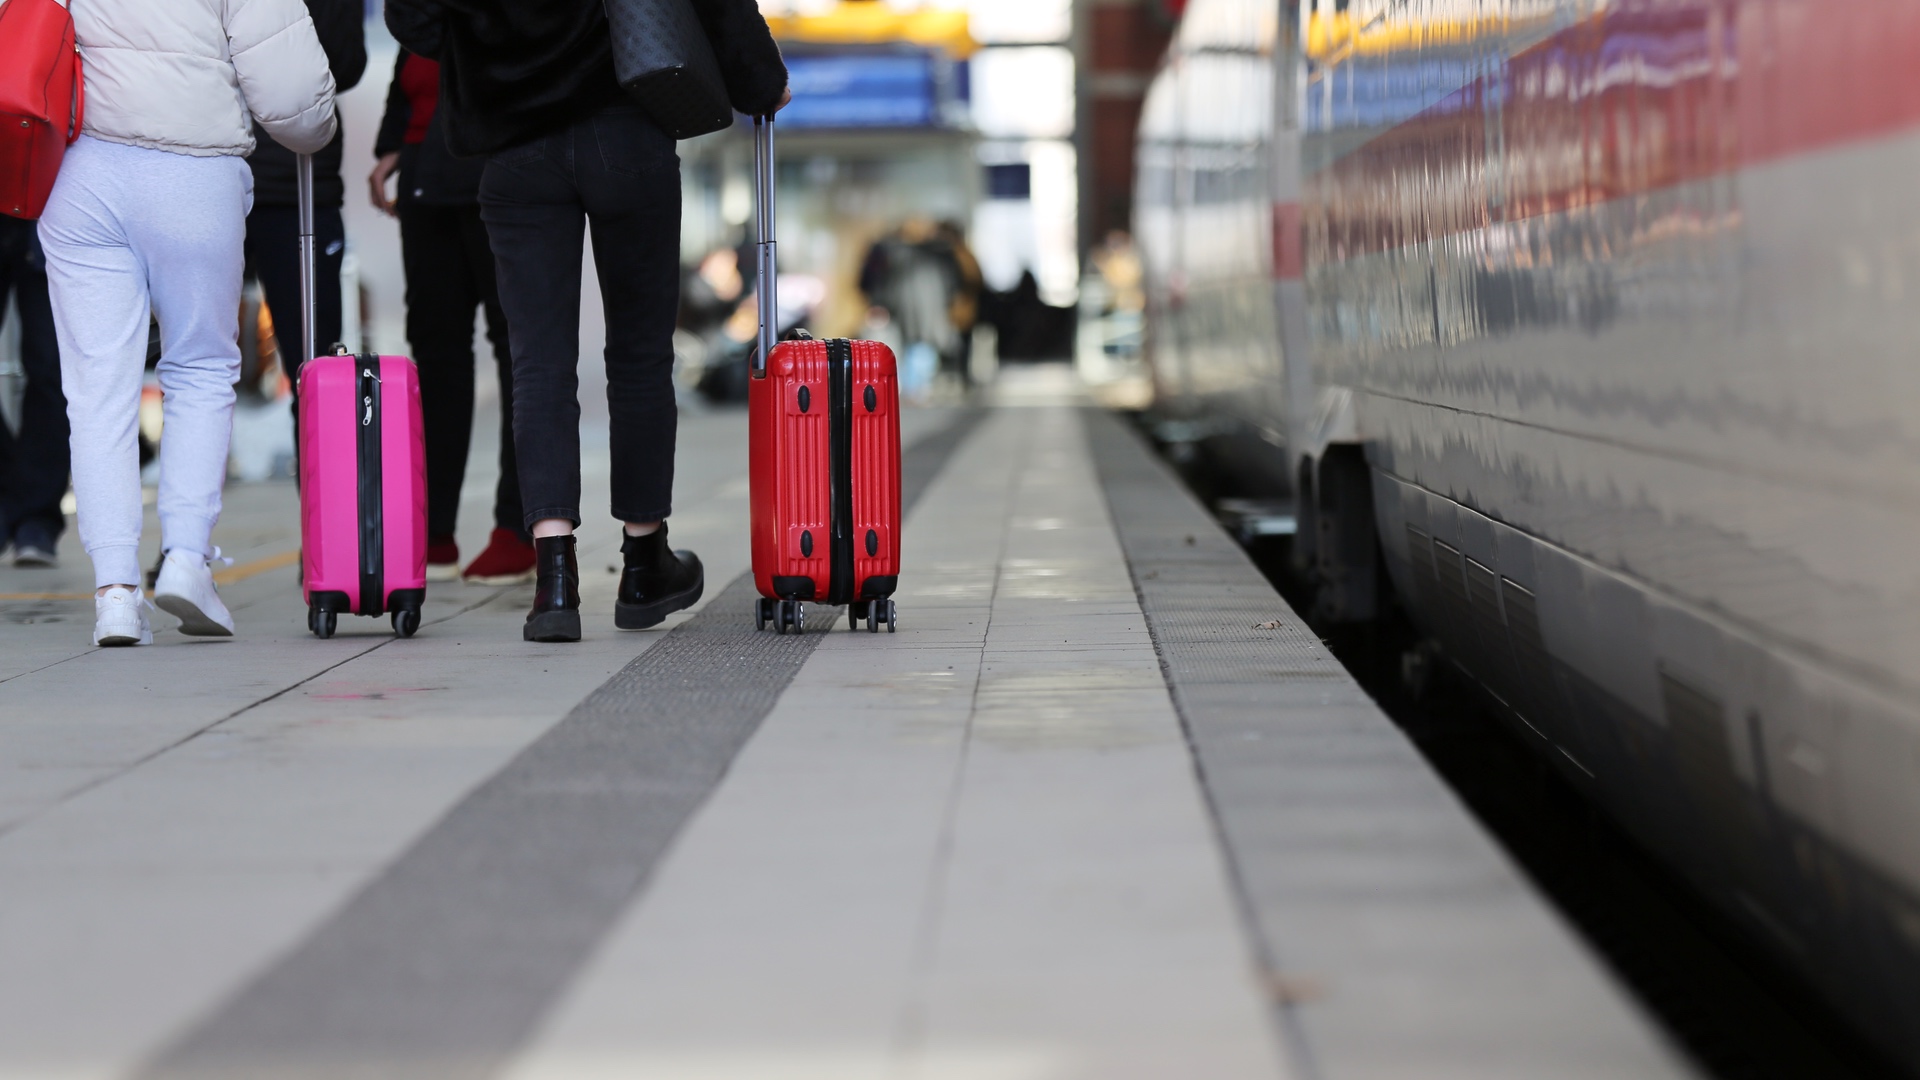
(1586, 333)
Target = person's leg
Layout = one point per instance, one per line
(273, 251)
(330, 254)
(272, 231)
(536, 226)
(440, 306)
(38, 476)
(98, 291)
(508, 558)
(630, 179)
(190, 238)
(507, 511)
(14, 234)
(190, 233)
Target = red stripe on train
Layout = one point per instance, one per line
(1289, 260)
(1650, 95)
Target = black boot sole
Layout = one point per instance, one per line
(552, 626)
(641, 616)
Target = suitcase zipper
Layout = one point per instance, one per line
(373, 591)
(840, 470)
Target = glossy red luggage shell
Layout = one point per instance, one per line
(876, 467)
(790, 452)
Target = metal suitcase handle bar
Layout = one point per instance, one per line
(763, 230)
(303, 175)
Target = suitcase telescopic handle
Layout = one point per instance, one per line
(763, 229)
(303, 174)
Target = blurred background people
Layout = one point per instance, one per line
(720, 318)
(532, 86)
(273, 226)
(33, 455)
(1030, 328)
(963, 310)
(449, 270)
(1116, 262)
(148, 218)
(911, 275)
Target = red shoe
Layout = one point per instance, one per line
(508, 560)
(443, 559)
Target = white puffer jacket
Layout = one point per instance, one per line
(186, 75)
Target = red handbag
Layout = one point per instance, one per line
(42, 99)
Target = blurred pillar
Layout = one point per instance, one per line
(1117, 46)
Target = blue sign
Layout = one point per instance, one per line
(858, 90)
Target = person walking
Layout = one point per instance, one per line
(33, 458)
(532, 87)
(148, 217)
(911, 275)
(449, 269)
(963, 310)
(273, 225)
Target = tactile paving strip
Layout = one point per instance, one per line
(442, 965)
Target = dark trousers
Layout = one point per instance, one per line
(273, 251)
(33, 460)
(449, 272)
(616, 174)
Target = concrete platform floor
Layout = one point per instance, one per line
(1047, 830)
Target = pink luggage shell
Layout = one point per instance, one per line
(332, 410)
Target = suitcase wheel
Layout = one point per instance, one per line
(874, 611)
(406, 621)
(762, 613)
(790, 615)
(321, 621)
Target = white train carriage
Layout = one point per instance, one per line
(1596, 323)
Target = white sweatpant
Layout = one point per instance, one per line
(128, 229)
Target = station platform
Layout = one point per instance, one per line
(1103, 808)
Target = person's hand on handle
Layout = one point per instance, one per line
(786, 97)
(377, 180)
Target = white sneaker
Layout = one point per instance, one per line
(120, 618)
(184, 590)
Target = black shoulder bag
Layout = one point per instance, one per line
(662, 57)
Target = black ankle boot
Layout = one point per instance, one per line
(556, 592)
(657, 581)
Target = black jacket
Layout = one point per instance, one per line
(429, 172)
(343, 35)
(512, 71)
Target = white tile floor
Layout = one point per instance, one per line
(978, 848)
(975, 848)
(172, 818)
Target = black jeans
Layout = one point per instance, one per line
(449, 272)
(616, 174)
(273, 251)
(33, 460)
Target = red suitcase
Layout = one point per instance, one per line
(823, 440)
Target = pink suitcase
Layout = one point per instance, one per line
(363, 490)
(363, 477)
